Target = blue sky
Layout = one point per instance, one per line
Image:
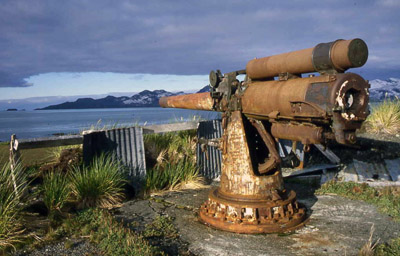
(76, 47)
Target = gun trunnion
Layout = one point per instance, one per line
(257, 111)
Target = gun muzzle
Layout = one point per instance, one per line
(339, 55)
(197, 101)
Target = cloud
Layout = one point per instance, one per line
(11, 80)
(178, 37)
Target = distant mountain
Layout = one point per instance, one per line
(145, 98)
(41, 102)
(384, 88)
(204, 89)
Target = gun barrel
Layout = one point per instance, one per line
(197, 101)
(339, 55)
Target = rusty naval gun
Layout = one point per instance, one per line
(275, 101)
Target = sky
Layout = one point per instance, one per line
(81, 47)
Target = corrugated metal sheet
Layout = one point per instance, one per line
(124, 144)
(359, 171)
(209, 162)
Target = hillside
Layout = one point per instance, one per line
(145, 98)
(384, 88)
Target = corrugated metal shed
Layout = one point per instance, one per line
(124, 144)
(209, 162)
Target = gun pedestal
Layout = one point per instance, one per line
(246, 202)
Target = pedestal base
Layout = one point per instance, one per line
(252, 215)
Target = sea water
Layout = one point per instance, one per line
(43, 123)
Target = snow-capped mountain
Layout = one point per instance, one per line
(384, 88)
(145, 98)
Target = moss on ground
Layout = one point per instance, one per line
(111, 236)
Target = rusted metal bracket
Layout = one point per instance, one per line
(274, 160)
(286, 76)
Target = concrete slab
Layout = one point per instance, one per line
(337, 226)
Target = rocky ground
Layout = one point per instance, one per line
(336, 226)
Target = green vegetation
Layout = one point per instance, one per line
(56, 192)
(161, 227)
(384, 118)
(392, 248)
(386, 199)
(174, 164)
(12, 188)
(111, 236)
(98, 185)
(171, 176)
(65, 186)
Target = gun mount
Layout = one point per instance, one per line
(257, 111)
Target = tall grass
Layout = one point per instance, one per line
(384, 118)
(175, 161)
(56, 192)
(12, 188)
(99, 184)
(100, 126)
(171, 147)
(171, 175)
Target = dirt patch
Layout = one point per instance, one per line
(68, 158)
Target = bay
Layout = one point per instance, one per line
(43, 123)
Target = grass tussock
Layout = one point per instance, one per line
(111, 236)
(384, 118)
(172, 176)
(171, 147)
(386, 199)
(12, 189)
(56, 192)
(174, 165)
(98, 185)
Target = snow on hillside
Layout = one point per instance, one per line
(384, 88)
